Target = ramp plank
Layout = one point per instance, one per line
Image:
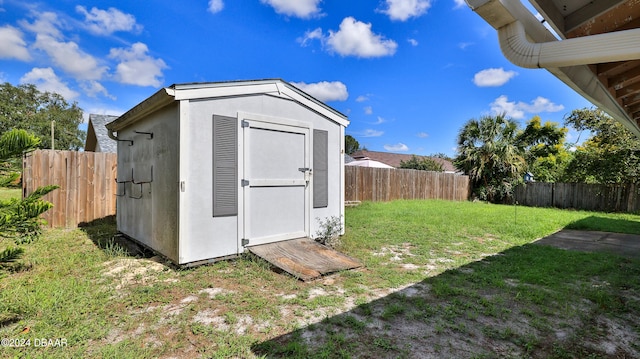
(304, 258)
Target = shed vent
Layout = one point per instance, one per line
(225, 166)
(320, 167)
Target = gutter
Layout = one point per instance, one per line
(527, 43)
(163, 97)
(593, 49)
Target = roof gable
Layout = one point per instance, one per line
(192, 91)
(98, 139)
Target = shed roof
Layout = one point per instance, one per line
(98, 139)
(190, 91)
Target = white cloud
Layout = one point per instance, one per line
(299, 8)
(464, 45)
(94, 88)
(368, 110)
(398, 147)
(12, 46)
(70, 58)
(459, 4)
(379, 121)
(215, 6)
(65, 55)
(362, 98)
(404, 9)
(324, 90)
(46, 23)
(45, 80)
(422, 134)
(310, 36)
(493, 77)
(517, 110)
(370, 133)
(413, 42)
(106, 22)
(136, 67)
(356, 39)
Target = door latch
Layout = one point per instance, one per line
(304, 169)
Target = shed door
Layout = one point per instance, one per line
(276, 166)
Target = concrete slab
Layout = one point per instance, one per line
(627, 245)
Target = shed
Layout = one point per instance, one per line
(206, 170)
(97, 136)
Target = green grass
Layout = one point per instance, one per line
(8, 193)
(449, 279)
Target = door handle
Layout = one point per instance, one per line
(304, 169)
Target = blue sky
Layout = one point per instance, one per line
(407, 73)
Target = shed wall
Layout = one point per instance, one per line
(204, 236)
(147, 202)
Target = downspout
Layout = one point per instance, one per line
(516, 26)
(111, 135)
(593, 49)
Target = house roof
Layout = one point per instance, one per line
(191, 91)
(98, 139)
(596, 42)
(394, 159)
(348, 159)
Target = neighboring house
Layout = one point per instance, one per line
(206, 170)
(394, 159)
(348, 159)
(98, 139)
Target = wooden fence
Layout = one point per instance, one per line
(590, 197)
(384, 184)
(86, 179)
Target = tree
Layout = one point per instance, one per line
(24, 107)
(489, 154)
(20, 218)
(421, 163)
(610, 155)
(544, 149)
(351, 145)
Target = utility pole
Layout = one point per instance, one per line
(53, 125)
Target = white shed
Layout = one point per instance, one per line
(208, 169)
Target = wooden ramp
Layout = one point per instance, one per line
(304, 258)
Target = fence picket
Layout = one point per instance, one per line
(86, 179)
(383, 184)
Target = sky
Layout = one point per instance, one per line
(408, 73)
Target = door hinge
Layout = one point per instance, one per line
(244, 123)
(245, 241)
(244, 183)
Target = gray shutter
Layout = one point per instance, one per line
(320, 168)
(225, 166)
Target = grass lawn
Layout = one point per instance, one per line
(441, 280)
(8, 193)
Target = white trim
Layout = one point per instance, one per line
(272, 122)
(342, 179)
(183, 169)
(278, 124)
(277, 182)
(275, 238)
(241, 171)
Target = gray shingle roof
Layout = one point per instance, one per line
(103, 142)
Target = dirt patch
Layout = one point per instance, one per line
(134, 271)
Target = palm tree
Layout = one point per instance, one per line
(489, 154)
